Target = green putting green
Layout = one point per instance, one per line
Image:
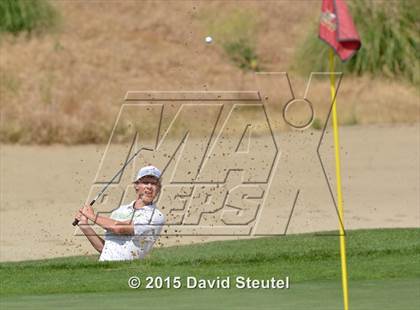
(324, 295)
(382, 264)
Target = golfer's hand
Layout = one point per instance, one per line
(81, 218)
(88, 212)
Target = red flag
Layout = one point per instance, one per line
(337, 29)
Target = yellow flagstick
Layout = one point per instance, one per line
(339, 193)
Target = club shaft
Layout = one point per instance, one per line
(76, 221)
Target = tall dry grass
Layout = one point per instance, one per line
(237, 32)
(67, 86)
(390, 33)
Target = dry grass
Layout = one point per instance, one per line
(67, 86)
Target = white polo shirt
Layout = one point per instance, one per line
(148, 222)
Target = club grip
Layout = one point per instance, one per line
(76, 221)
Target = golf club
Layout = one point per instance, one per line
(76, 221)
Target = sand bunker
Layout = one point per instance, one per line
(42, 187)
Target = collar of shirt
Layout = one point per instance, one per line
(147, 207)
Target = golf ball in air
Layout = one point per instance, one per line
(208, 39)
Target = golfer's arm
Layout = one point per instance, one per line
(96, 241)
(117, 227)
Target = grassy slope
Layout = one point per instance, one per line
(71, 90)
(373, 255)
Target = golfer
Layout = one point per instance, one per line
(132, 229)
